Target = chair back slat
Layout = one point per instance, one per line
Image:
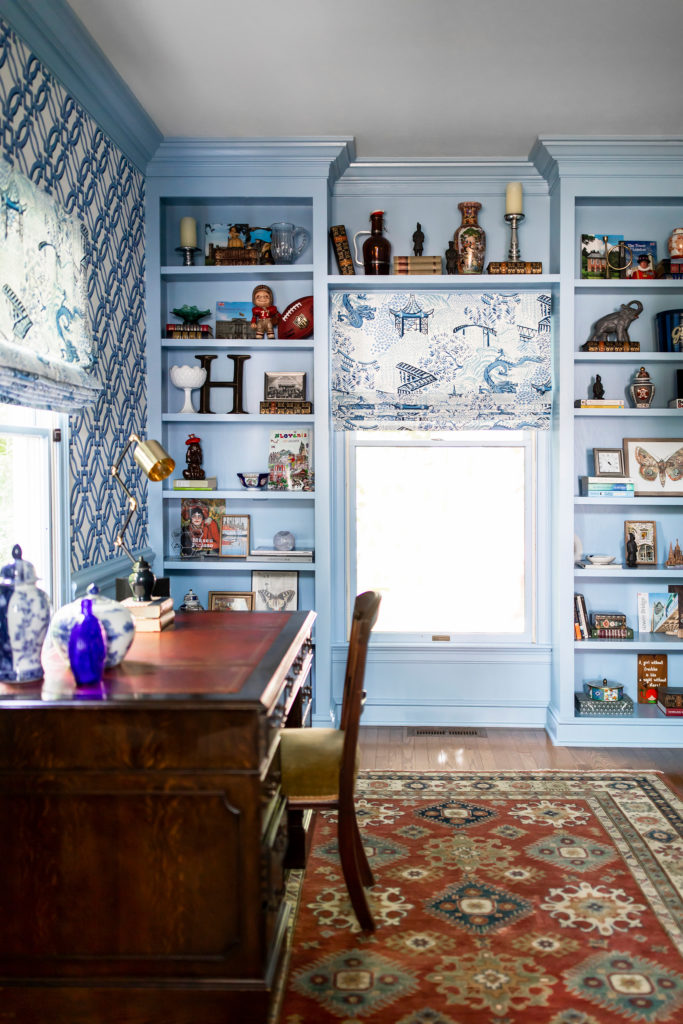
(365, 612)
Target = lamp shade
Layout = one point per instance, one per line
(153, 460)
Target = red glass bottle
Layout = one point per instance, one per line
(376, 248)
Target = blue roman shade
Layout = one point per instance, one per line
(449, 360)
(46, 345)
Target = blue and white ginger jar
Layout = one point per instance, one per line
(114, 616)
(27, 619)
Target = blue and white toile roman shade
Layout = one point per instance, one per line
(46, 343)
(440, 360)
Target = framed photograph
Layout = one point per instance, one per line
(645, 535)
(235, 536)
(608, 462)
(284, 386)
(655, 465)
(231, 601)
(275, 591)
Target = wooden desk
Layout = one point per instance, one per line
(143, 831)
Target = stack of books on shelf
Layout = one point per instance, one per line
(273, 555)
(418, 265)
(200, 332)
(607, 487)
(515, 267)
(207, 484)
(670, 268)
(590, 703)
(611, 346)
(599, 403)
(609, 626)
(151, 616)
(670, 700)
(599, 625)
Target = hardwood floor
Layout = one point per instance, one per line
(406, 749)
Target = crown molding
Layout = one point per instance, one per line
(437, 176)
(323, 156)
(59, 40)
(626, 156)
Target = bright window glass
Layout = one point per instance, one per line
(443, 531)
(28, 492)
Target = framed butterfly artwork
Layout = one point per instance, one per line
(275, 591)
(655, 464)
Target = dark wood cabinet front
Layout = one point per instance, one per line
(143, 834)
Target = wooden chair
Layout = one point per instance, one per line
(319, 765)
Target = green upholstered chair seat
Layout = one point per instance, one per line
(310, 760)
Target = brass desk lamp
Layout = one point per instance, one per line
(156, 464)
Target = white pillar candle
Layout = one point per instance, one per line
(188, 232)
(513, 197)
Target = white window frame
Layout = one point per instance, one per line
(55, 432)
(536, 449)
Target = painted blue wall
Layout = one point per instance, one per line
(48, 135)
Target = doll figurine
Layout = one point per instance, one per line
(264, 315)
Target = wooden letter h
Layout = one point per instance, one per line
(235, 383)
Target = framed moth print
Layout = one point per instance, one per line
(645, 535)
(234, 536)
(655, 465)
(608, 462)
(275, 591)
(231, 601)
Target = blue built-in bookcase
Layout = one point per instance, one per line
(629, 186)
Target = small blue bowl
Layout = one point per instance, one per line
(254, 481)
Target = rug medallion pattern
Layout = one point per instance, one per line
(499, 898)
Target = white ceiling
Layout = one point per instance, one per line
(407, 78)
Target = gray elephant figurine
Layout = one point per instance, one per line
(617, 322)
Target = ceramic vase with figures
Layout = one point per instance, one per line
(119, 627)
(470, 240)
(24, 619)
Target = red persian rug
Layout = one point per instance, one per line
(499, 898)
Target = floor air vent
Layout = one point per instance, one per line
(446, 732)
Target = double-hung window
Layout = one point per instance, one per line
(445, 527)
(33, 489)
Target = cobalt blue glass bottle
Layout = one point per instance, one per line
(87, 647)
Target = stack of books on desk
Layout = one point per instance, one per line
(607, 487)
(151, 616)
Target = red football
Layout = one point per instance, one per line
(297, 319)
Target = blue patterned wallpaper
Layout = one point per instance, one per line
(50, 138)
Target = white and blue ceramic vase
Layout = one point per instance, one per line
(26, 615)
(6, 591)
(87, 647)
(119, 627)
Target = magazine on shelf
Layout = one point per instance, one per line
(658, 612)
(200, 527)
(290, 460)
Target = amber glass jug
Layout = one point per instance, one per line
(376, 248)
